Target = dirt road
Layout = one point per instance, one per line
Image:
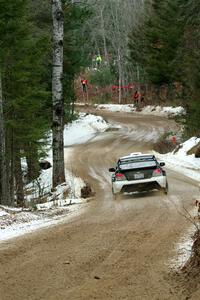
(115, 249)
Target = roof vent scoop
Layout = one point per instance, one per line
(135, 153)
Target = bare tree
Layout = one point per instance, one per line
(110, 26)
(57, 93)
(103, 32)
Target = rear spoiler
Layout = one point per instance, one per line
(138, 165)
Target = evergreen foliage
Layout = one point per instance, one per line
(76, 51)
(102, 77)
(25, 91)
(155, 44)
(26, 67)
(166, 47)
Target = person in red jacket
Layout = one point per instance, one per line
(84, 85)
(136, 97)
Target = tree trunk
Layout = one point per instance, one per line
(120, 76)
(4, 191)
(57, 94)
(18, 178)
(32, 162)
(104, 37)
(9, 165)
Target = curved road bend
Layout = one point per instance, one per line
(115, 249)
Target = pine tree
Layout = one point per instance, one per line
(24, 89)
(3, 176)
(11, 21)
(161, 36)
(76, 52)
(25, 62)
(189, 56)
(166, 47)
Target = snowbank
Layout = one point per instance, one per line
(3, 213)
(79, 131)
(163, 111)
(183, 163)
(83, 129)
(14, 224)
(65, 200)
(188, 165)
(183, 250)
(117, 107)
(146, 110)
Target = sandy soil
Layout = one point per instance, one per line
(114, 249)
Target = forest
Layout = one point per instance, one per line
(45, 46)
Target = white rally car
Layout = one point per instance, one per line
(138, 172)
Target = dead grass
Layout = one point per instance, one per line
(164, 145)
(195, 150)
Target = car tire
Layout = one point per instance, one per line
(166, 189)
(113, 191)
(115, 195)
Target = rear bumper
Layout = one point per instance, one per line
(139, 185)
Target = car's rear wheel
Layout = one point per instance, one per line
(115, 195)
(166, 189)
(113, 191)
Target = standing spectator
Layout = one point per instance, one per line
(136, 97)
(84, 85)
(174, 140)
(98, 60)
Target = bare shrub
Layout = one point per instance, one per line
(164, 145)
(195, 150)
(86, 191)
(45, 164)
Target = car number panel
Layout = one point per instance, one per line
(139, 176)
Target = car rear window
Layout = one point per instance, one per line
(137, 163)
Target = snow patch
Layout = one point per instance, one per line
(116, 107)
(83, 129)
(14, 225)
(183, 250)
(3, 213)
(146, 110)
(188, 165)
(86, 127)
(65, 201)
(163, 111)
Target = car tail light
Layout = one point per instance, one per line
(157, 172)
(120, 177)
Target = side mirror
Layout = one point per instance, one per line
(112, 170)
(162, 164)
